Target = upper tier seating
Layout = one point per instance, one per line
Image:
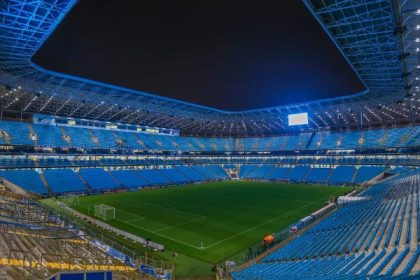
(79, 137)
(105, 138)
(19, 133)
(49, 136)
(129, 140)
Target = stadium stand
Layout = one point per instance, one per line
(29, 179)
(110, 172)
(100, 275)
(180, 174)
(342, 175)
(16, 133)
(278, 173)
(64, 180)
(49, 136)
(11, 162)
(367, 172)
(35, 244)
(348, 245)
(99, 179)
(54, 136)
(318, 175)
(79, 137)
(299, 173)
(93, 138)
(154, 177)
(128, 178)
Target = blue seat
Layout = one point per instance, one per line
(64, 180)
(99, 179)
(27, 179)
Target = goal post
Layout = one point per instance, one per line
(105, 212)
(71, 199)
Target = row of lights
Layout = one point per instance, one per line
(417, 40)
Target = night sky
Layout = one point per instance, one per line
(227, 54)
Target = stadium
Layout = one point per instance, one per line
(100, 181)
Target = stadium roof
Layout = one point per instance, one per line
(379, 39)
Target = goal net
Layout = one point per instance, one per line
(71, 199)
(105, 212)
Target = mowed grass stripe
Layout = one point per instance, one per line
(225, 217)
(266, 222)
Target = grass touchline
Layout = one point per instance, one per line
(211, 221)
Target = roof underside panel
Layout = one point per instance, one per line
(367, 34)
(377, 38)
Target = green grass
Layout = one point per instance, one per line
(213, 221)
(186, 266)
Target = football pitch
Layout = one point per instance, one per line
(211, 221)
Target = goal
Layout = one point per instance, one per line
(105, 212)
(71, 199)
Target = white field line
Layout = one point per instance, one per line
(202, 217)
(162, 235)
(167, 208)
(132, 220)
(180, 224)
(263, 223)
(156, 231)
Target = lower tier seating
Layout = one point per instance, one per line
(99, 179)
(35, 243)
(370, 239)
(66, 180)
(367, 172)
(30, 179)
(334, 176)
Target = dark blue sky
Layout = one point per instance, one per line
(232, 55)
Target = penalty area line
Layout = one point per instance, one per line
(169, 209)
(257, 226)
(165, 236)
(181, 224)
